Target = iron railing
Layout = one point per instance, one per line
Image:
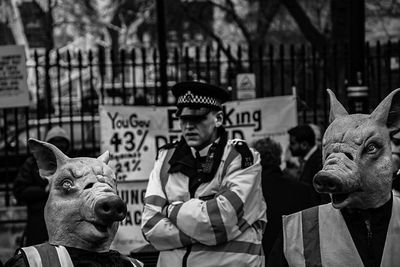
(66, 88)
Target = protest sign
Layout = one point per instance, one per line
(13, 77)
(129, 236)
(133, 135)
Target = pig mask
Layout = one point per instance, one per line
(83, 209)
(357, 160)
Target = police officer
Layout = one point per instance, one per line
(204, 203)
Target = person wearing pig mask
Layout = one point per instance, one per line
(82, 213)
(32, 190)
(361, 226)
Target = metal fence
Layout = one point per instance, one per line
(67, 87)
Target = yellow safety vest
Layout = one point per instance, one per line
(319, 237)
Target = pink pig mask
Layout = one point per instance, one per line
(357, 159)
(83, 209)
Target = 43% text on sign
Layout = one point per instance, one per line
(127, 148)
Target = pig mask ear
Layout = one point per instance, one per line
(48, 157)
(105, 157)
(337, 110)
(387, 112)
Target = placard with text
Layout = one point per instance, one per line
(134, 134)
(13, 77)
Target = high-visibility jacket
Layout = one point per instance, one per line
(47, 255)
(319, 237)
(222, 225)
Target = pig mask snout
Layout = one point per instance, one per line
(110, 209)
(336, 173)
(327, 182)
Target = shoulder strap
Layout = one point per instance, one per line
(63, 256)
(245, 152)
(46, 255)
(31, 255)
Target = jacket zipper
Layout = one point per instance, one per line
(185, 257)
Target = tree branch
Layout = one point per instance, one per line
(211, 33)
(231, 11)
(303, 21)
(268, 10)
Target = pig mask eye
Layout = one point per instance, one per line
(67, 184)
(371, 148)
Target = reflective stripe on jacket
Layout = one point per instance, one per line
(328, 241)
(47, 255)
(221, 226)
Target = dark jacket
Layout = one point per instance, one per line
(283, 196)
(29, 189)
(310, 169)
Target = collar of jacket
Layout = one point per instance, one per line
(378, 216)
(183, 161)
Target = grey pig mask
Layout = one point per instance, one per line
(357, 160)
(83, 209)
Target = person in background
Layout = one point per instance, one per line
(303, 145)
(282, 194)
(318, 134)
(32, 190)
(292, 166)
(204, 204)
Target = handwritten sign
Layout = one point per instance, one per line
(129, 236)
(133, 135)
(13, 77)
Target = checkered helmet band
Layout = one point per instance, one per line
(192, 99)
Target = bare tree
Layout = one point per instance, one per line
(254, 24)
